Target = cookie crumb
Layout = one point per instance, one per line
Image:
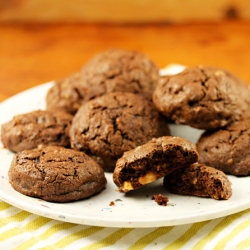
(160, 199)
(112, 203)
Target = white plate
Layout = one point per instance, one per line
(135, 209)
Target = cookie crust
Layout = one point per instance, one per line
(56, 174)
(65, 94)
(203, 97)
(227, 149)
(40, 127)
(118, 70)
(109, 125)
(113, 70)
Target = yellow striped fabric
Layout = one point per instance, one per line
(25, 231)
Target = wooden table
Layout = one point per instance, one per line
(31, 54)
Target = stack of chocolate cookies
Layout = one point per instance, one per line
(218, 102)
(113, 116)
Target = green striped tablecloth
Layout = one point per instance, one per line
(22, 230)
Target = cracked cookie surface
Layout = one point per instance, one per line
(107, 126)
(66, 94)
(40, 127)
(118, 70)
(113, 70)
(203, 97)
(56, 174)
(227, 149)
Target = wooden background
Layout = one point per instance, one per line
(122, 11)
(34, 52)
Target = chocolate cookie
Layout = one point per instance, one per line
(203, 97)
(56, 174)
(114, 70)
(199, 180)
(153, 160)
(65, 94)
(107, 126)
(40, 127)
(227, 149)
(117, 70)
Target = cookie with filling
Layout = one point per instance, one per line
(153, 160)
(199, 180)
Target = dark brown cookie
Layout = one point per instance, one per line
(199, 180)
(56, 174)
(107, 126)
(153, 160)
(65, 94)
(114, 70)
(203, 97)
(40, 127)
(227, 149)
(117, 70)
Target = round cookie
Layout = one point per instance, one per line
(65, 94)
(153, 160)
(56, 174)
(117, 70)
(199, 180)
(227, 149)
(109, 125)
(40, 127)
(114, 70)
(203, 97)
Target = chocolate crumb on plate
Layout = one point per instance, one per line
(160, 199)
(112, 203)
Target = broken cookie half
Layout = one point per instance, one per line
(153, 160)
(199, 180)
